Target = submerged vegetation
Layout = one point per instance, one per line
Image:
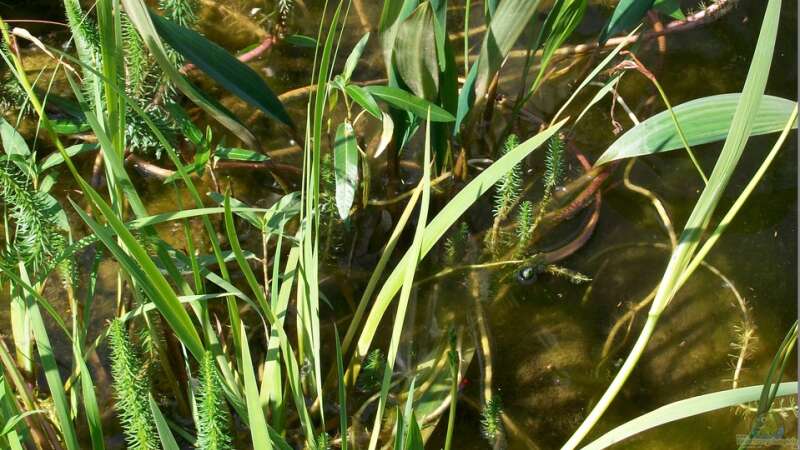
(182, 246)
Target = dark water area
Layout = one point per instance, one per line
(548, 338)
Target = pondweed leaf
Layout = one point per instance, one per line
(234, 75)
(408, 102)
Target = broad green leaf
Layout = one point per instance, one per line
(408, 102)
(415, 52)
(299, 40)
(345, 168)
(671, 8)
(414, 438)
(355, 55)
(56, 158)
(626, 15)
(364, 99)
(239, 154)
(703, 120)
(13, 142)
(234, 75)
(685, 408)
(139, 15)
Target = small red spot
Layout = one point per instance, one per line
(464, 383)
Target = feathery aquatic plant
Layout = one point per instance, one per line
(524, 222)
(491, 422)
(553, 175)
(132, 388)
(454, 245)
(510, 186)
(506, 194)
(371, 375)
(181, 12)
(37, 236)
(213, 432)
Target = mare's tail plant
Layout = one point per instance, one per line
(507, 193)
(491, 423)
(132, 387)
(553, 174)
(213, 431)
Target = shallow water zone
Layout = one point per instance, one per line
(553, 344)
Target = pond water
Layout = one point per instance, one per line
(547, 338)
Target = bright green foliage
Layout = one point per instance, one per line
(181, 12)
(491, 423)
(369, 379)
(132, 388)
(37, 236)
(86, 38)
(213, 432)
(524, 223)
(554, 162)
(454, 245)
(323, 441)
(510, 186)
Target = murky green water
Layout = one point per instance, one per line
(547, 338)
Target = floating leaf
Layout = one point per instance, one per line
(407, 102)
(239, 154)
(234, 75)
(345, 167)
(299, 40)
(704, 120)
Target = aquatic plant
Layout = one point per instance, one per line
(132, 387)
(201, 294)
(213, 430)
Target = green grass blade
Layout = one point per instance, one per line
(704, 120)
(741, 127)
(626, 15)
(411, 263)
(685, 408)
(164, 433)
(457, 206)
(255, 414)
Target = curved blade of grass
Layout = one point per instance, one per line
(345, 168)
(342, 391)
(685, 408)
(53, 377)
(411, 263)
(164, 433)
(143, 270)
(255, 415)
(457, 206)
(740, 129)
(597, 69)
(408, 102)
(703, 120)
